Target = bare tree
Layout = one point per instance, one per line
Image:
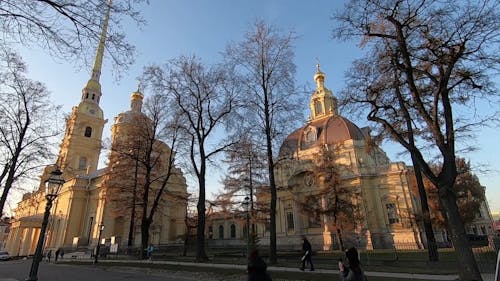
(191, 222)
(68, 29)
(26, 124)
(470, 195)
(246, 171)
(147, 142)
(428, 62)
(266, 76)
(204, 99)
(333, 203)
(123, 158)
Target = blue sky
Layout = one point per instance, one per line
(204, 28)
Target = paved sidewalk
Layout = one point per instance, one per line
(411, 276)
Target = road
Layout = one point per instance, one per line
(17, 270)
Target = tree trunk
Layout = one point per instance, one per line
(201, 255)
(432, 249)
(132, 213)
(12, 171)
(144, 238)
(467, 266)
(272, 213)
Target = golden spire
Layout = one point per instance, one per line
(93, 86)
(136, 99)
(319, 77)
(323, 103)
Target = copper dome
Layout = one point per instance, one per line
(331, 130)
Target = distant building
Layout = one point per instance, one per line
(4, 231)
(86, 199)
(226, 229)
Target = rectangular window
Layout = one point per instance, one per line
(82, 164)
(289, 221)
(314, 220)
(392, 213)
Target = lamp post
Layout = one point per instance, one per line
(52, 188)
(246, 203)
(98, 247)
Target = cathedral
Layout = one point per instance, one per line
(383, 208)
(85, 210)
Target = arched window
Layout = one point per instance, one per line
(318, 106)
(82, 163)
(289, 220)
(233, 231)
(392, 213)
(210, 232)
(88, 132)
(221, 232)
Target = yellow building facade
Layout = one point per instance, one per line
(85, 200)
(379, 188)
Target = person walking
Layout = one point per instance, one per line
(257, 268)
(57, 255)
(49, 255)
(307, 253)
(149, 251)
(354, 271)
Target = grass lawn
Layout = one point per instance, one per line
(228, 274)
(415, 262)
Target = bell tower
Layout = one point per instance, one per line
(323, 103)
(81, 146)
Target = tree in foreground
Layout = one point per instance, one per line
(26, 124)
(333, 204)
(145, 142)
(428, 63)
(68, 29)
(203, 99)
(246, 173)
(263, 61)
(469, 191)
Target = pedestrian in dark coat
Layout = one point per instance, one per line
(257, 268)
(307, 253)
(354, 271)
(57, 254)
(49, 255)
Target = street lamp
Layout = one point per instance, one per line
(98, 247)
(246, 203)
(52, 188)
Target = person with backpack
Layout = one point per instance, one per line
(353, 272)
(257, 268)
